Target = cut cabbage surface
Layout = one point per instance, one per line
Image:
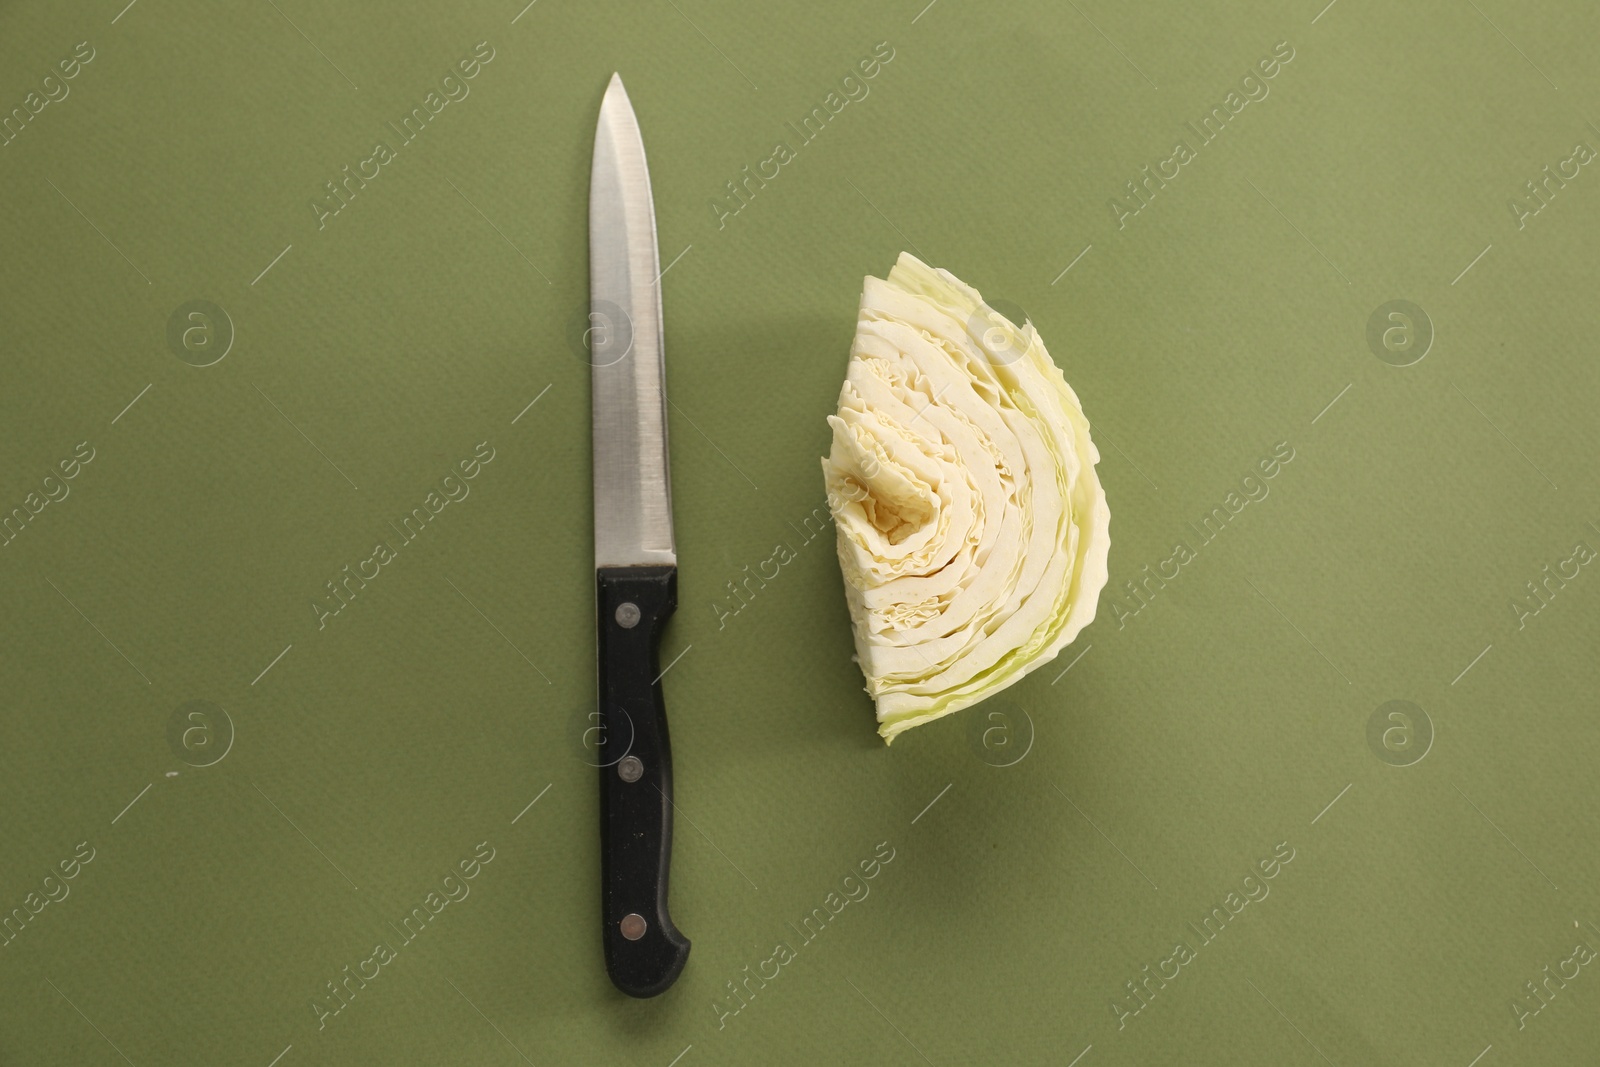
(972, 528)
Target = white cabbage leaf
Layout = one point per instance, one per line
(972, 528)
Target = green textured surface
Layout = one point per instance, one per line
(1218, 722)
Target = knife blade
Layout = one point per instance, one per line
(636, 573)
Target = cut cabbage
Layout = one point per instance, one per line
(972, 528)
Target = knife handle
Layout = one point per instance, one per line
(644, 950)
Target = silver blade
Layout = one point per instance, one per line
(632, 485)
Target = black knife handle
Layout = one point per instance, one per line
(644, 950)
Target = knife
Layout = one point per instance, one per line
(636, 562)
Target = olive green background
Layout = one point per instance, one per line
(1183, 747)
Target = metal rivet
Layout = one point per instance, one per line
(633, 926)
(628, 615)
(630, 769)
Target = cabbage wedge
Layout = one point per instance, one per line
(972, 527)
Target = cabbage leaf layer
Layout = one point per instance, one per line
(972, 527)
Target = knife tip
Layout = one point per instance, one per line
(616, 97)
